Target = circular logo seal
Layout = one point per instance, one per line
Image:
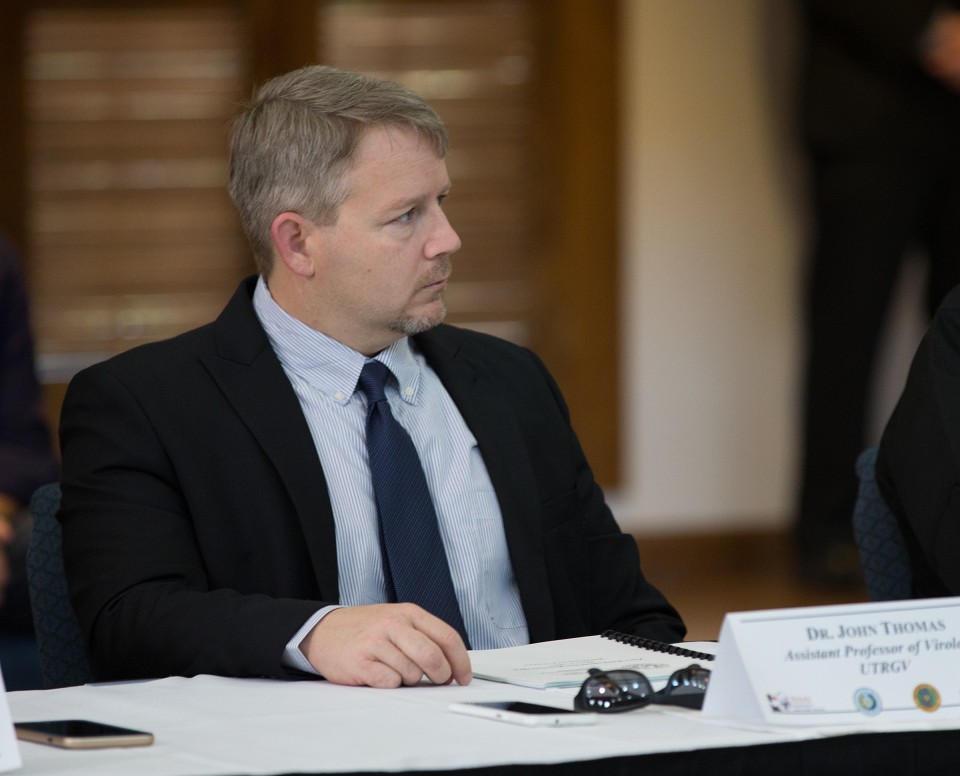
(926, 697)
(867, 702)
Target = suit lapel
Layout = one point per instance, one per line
(250, 376)
(501, 444)
(248, 372)
(946, 385)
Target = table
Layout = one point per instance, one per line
(211, 726)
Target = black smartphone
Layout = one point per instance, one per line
(80, 734)
(520, 713)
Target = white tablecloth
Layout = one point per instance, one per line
(213, 725)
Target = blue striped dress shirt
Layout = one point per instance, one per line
(324, 373)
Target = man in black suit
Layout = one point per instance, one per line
(881, 120)
(218, 512)
(918, 464)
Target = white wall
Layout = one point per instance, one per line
(713, 243)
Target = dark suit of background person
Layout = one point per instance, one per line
(27, 461)
(882, 134)
(918, 464)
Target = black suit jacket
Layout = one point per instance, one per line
(198, 533)
(918, 464)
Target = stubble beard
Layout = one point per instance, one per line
(408, 325)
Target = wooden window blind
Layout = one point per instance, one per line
(473, 61)
(132, 235)
(115, 119)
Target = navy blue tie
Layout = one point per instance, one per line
(415, 564)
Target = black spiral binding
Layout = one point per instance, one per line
(656, 646)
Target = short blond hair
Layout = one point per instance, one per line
(291, 146)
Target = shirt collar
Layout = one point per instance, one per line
(326, 364)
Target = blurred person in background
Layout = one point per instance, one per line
(27, 461)
(881, 122)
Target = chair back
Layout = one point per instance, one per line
(63, 650)
(883, 553)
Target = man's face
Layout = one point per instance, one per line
(386, 260)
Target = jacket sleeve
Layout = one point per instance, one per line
(164, 582)
(577, 572)
(582, 532)
(918, 464)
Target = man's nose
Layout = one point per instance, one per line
(443, 240)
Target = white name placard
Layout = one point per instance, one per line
(826, 665)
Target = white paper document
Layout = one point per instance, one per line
(566, 662)
(825, 665)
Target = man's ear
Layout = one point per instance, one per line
(291, 234)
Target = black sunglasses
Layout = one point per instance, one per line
(611, 691)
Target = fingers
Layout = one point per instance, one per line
(386, 645)
(385, 666)
(941, 54)
(452, 663)
(7, 531)
(4, 575)
(7, 534)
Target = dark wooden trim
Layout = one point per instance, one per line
(282, 36)
(575, 184)
(115, 4)
(578, 238)
(13, 169)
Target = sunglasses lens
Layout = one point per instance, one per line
(685, 687)
(691, 679)
(615, 691)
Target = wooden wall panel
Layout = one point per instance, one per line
(578, 242)
(561, 299)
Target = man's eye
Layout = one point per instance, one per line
(407, 217)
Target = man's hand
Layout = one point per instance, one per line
(941, 54)
(386, 645)
(7, 535)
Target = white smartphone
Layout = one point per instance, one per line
(520, 713)
(80, 734)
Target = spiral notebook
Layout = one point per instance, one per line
(565, 663)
